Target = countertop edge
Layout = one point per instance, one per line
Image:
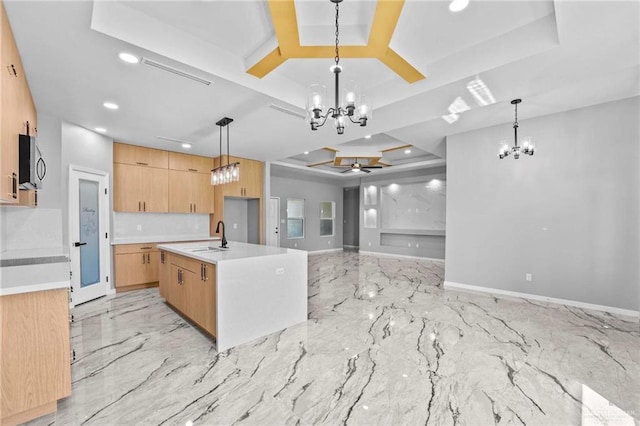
(8, 291)
(161, 240)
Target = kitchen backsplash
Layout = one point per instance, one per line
(23, 228)
(134, 225)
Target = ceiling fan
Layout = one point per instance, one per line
(357, 167)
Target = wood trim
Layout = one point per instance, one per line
(395, 148)
(320, 163)
(33, 413)
(136, 287)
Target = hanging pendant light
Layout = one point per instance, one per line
(231, 171)
(527, 147)
(353, 106)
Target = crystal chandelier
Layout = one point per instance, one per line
(353, 104)
(527, 147)
(229, 172)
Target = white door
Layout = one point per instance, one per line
(88, 233)
(273, 221)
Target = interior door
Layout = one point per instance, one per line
(88, 233)
(273, 222)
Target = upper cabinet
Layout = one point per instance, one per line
(155, 181)
(190, 163)
(16, 110)
(250, 184)
(140, 156)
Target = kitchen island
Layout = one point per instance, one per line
(236, 294)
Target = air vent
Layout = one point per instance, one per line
(299, 114)
(175, 71)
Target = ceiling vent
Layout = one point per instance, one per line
(284, 110)
(175, 71)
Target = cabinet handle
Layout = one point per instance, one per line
(190, 208)
(144, 258)
(201, 272)
(14, 185)
(193, 170)
(139, 206)
(144, 206)
(142, 164)
(205, 273)
(146, 248)
(194, 208)
(162, 257)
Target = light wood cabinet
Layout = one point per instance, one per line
(136, 266)
(190, 192)
(140, 189)
(190, 163)
(34, 354)
(250, 186)
(28, 197)
(165, 273)
(140, 156)
(190, 287)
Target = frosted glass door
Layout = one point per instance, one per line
(89, 233)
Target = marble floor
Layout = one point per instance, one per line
(384, 345)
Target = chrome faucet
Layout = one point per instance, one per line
(224, 239)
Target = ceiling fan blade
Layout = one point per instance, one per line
(372, 167)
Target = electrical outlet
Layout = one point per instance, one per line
(408, 244)
(528, 277)
(417, 245)
(235, 226)
(295, 245)
(369, 244)
(329, 242)
(139, 228)
(279, 271)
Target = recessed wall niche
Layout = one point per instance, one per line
(417, 205)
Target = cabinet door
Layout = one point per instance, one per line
(155, 189)
(152, 267)
(127, 191)
(176, 290)
(190, 163)
(165, 274)
(196, 302)
(10, 113)
(202, 192)
(140, 156)
(209, 296)
(180, 193)
(251, 178)
(131, 269)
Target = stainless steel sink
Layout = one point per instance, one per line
(207, 249)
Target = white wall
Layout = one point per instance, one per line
(569, 215)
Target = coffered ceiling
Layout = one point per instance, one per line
(451, 73)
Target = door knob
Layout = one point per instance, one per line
(78, 244)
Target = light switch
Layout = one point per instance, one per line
(139, 228)
(279, 271)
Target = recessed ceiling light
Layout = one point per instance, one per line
(128, 58)
(368, 137)
(458, 5)
(186, 145)
(306, 153)
(407, 151)
(110, 105)
(100, 129)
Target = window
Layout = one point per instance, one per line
(295, 218)
(327, 216)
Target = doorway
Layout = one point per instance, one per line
(351, 218)
(273, 222)
(88, 233)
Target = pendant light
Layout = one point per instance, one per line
(527, 148)
(231, 171)
(353, 105)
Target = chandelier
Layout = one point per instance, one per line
(527, 147)
(229, 172)
(353, 106)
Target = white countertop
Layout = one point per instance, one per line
(34, 277)
(236, 251)
(34, 252)
(160, 239)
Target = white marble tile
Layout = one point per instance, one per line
(384, 344)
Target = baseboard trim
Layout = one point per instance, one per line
(333, 250)
(404, 256)
(477, 289)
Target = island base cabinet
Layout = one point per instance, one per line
(35, 354)
(190, 287)
(136, 266)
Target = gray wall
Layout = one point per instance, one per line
(242, 220)
(401, 243)
(351, 214)
(568, 215)
(288, 183)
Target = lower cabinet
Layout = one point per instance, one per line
(189, 286)
(136, 266)
(34, 354)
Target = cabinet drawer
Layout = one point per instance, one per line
(134, 248)
(186, 263)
